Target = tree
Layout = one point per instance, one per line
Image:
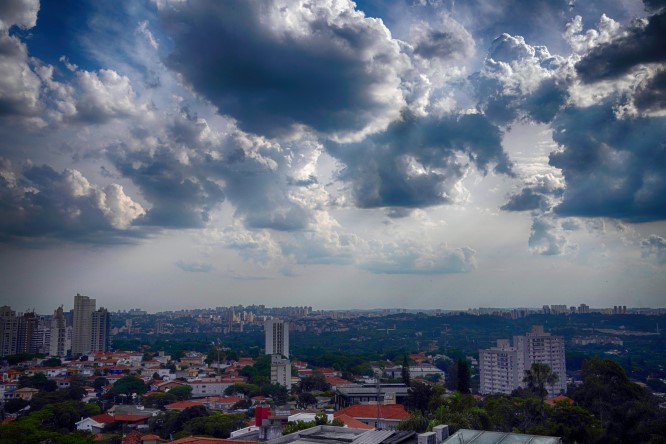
(462, 376)
(628, 412)
(306, 399)
(181, 392)
(127, 385)
(295, 426)
(13, 405)
(321, 418)
(418, 397)
(404, 373)
(243, 404)
(537, 378)
(159, 399)
(216, 425)
(100, 382)
(416, 422)
(51, 362)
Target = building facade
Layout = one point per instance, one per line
(59, 344)
(82, 324)
(277, 345)
(100, 331)
(502, 368)
(277, 337)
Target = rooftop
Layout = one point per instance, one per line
(465, 436)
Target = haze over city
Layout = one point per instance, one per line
(418, 154)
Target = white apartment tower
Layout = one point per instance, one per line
(503, 367)
(277, 345)
(277, 337)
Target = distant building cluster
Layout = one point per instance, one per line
(560, 309)
(84, 329)
(502, 368)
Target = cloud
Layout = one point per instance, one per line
(539, 193)
(546, 238)
(417, 258)
(329, 246)
(180, 196)
(445, 40)
(21, 13)
(19, 85)
(415, 163)
(520, 80)
(613, 167)
(194, 267)
(641, 44)
(654, 247)
(38, 203)
(321, 65)
(105, 95)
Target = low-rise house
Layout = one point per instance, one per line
(94, 424)
(388, 415)
(182, 405)
(25, 393)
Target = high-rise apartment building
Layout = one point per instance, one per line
(99, 336)
(82, 323)
(8, 331)
(59, 344)
(503, 367)
(27, 330)
(277, 345)
(277, 337)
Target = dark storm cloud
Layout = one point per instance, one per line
(651, 95)
(180, 196)
(39, 204)
(641, 45)
(258, 181)
(272, 68)
(654, 5)
(612, 167)
(546, 101)
(536, 195)
(413, 163)
(526, 200)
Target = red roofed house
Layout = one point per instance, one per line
(182, 405)
(352, 423)
(335, 381)
(94, 424)
(389, 415)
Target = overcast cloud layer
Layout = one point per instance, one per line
(334, 154)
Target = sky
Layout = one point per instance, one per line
(175, 154)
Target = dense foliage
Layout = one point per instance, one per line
(608, 408)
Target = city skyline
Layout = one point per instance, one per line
(339, 155)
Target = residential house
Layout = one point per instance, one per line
(378, 416)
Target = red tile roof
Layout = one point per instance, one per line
(182, 405)
(337, 381)
(391, 411)
(353, 423)
(104, 418)
(130, 418)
